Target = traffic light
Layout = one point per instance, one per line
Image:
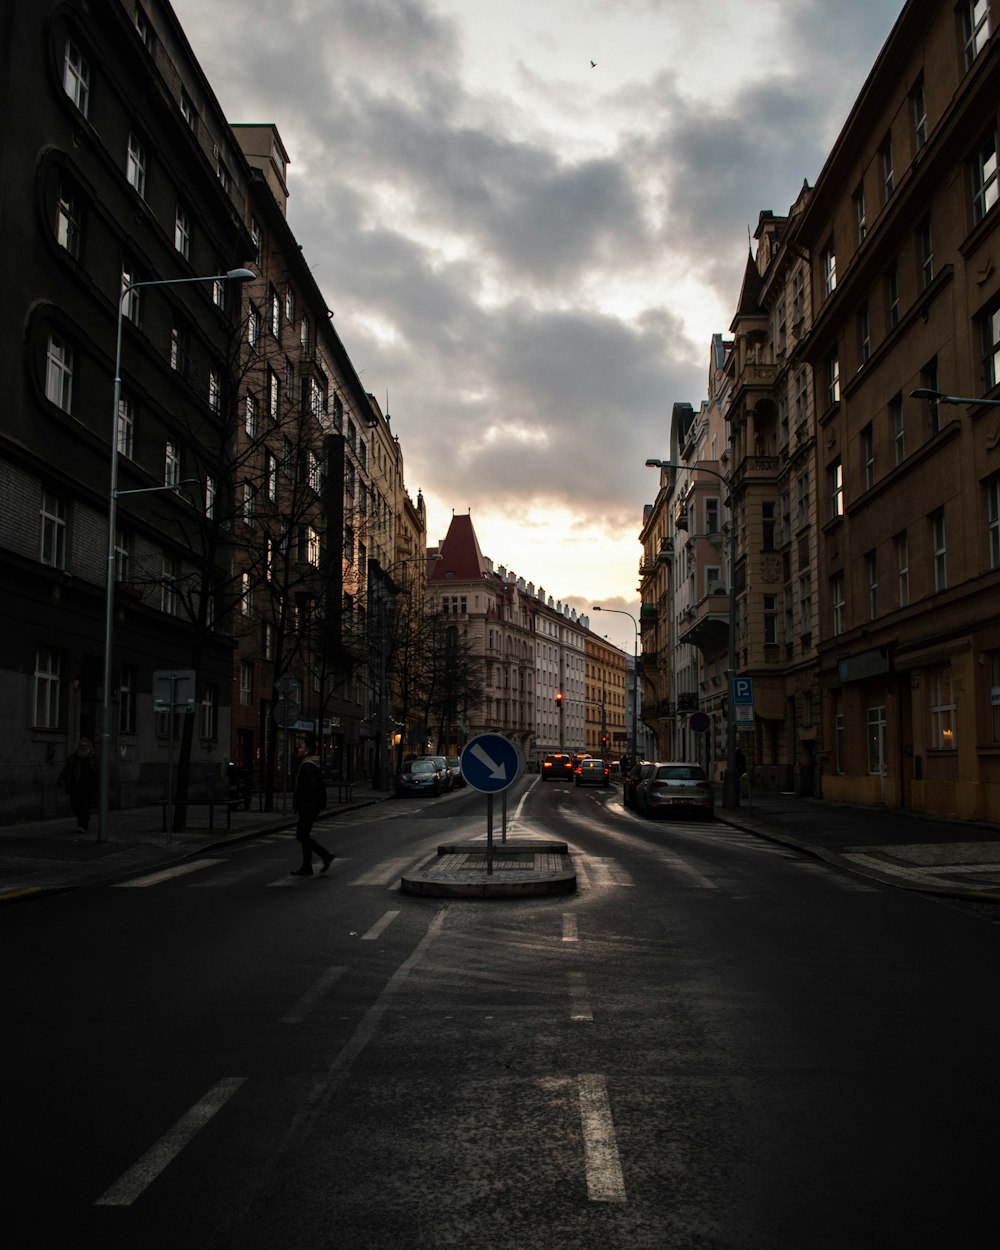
(559, 698)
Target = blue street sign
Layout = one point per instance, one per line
(491, 763)
(743, 690)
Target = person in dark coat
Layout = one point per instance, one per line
(79, 776)
(309, 800)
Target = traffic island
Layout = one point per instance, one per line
(520, 869)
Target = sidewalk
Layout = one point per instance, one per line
(45, 856)
(897, 847)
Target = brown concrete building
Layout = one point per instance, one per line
(902, 231)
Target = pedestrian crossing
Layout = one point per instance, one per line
(233, 868)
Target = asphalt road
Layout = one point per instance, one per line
(716, 1042)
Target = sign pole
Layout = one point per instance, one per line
(489, 835)
(503, 837)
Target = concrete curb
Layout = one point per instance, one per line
(455, 872)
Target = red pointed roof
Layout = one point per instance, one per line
(461, 559)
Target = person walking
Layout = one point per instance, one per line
(308, 801)
(79, 776)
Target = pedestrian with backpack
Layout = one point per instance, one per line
(308, 801)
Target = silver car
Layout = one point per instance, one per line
(675, 785)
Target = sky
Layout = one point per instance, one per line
(527, 254)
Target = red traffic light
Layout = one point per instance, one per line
(559, 698)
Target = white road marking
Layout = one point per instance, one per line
(605, 1182)
(312, 996)
(131, 1184)
(570, 932)
(379, 927)
(384, 873)
(684, 869)
(166, 874)
(579, 999)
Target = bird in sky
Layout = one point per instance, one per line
(593, 65)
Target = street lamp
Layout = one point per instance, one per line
(233, 275)
(730, 783)
(939, 397)
(634, 751)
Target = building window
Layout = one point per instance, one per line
(829, 262)
(802, 501)
(942, 696)
(903, 569)
(871, 568)
(304, 333)
(210, 496)
(214, 390)
(52, 546)
(223, 174)
(860, 216)
(209, 712)
(219, 292)
(76, 77)
(289, 305)
(770, 605)
(918, 108)
(143, 29)
(273, 395)
(135, 165)
(975, 28)
(993, 520)
(984, 179)
(250, 420)
(246, 594)
(48, 688)
(939, 549)
(769, 526)
(68, 220)
(886, 168)
(124, 546)
(805, 603)
(836, 472)
(130, 293)
(929, 381)
(271, 476)
(246, 683)
(309, 546)
(182, 232)
(248, 503)
(897, 428)
(126, 426)
(892, 297)
(188, 111)
(171, 463)
(126, 699)
(169, 574)
(868, 455)
(274, 314)
(59, 373)
(925, 247)
(178, 349)
(876, 740)
(837, 600)
(990, 337)
(832, 380)
(864, 333)
(253, 327)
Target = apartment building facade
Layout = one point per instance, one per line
(117, 168)
(903, 228)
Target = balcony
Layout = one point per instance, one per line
(649, 614)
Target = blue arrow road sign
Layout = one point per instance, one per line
(743, 690)
(491, 763)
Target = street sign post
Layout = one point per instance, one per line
(490, 764)
(173, 691)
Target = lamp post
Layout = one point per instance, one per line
(730, 783)
(634, 750)
(939, 397)
(104, 789)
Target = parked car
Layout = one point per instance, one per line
(635, 774)
(676, 786)
(592, 772)
(419, 777)
(455, 764)
(447, 777)
(557, 765)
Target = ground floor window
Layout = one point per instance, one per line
(942, 697)
(48, 688)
